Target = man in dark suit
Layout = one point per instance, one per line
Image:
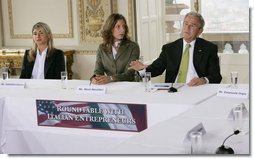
(202, 62)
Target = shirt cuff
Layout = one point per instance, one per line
(142, 72)
(207, 81)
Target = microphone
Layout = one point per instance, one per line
(172, 89)
(225, 149)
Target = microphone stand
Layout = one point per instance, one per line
(172, 89)
(225, 149)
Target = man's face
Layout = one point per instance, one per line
(191, 28)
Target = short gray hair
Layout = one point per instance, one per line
(195, 14)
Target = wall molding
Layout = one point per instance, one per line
(131, 22)
(92, 16)
(88, 37)
(29, 36)
(86, 52)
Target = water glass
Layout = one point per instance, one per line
(148, 82)
(196, 142)
(64, 79)
(238, 117)
(5, 75)
(234, 78)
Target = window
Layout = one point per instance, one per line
(227, 21)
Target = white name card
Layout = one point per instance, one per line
(87, 89)
(12, 84)
(235, 93)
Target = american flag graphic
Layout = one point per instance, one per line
(77, 114)
(46, 108)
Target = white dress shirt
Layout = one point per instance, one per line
(38, 69)
(114, 50)
(191, 73)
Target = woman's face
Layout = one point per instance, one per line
(40, 37)
(119, 30)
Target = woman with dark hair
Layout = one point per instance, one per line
(42, 61)
(115, 53)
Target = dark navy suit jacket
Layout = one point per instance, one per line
(54, 64)
(205, 61)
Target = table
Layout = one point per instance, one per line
(169, 119)
(168, 137)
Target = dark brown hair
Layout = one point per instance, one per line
(107, 35)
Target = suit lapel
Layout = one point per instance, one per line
(108, 53)
(121, 49)
(178, 52)
(48, 62)
(198, 52)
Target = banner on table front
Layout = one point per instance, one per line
(92, 115)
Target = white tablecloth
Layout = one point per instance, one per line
(168, 137)
(20, 133)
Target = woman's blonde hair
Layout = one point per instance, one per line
(47, 31)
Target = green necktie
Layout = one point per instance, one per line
(184, 65)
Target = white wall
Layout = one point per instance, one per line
(1, 23)
(26, 13)
(235, 62)
(56, 13)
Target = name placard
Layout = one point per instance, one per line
(235, 93)
(87, 89)
(92, 115)
(12, 84)
(241, 106)
(198, 128)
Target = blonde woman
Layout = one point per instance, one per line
(42, 61)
